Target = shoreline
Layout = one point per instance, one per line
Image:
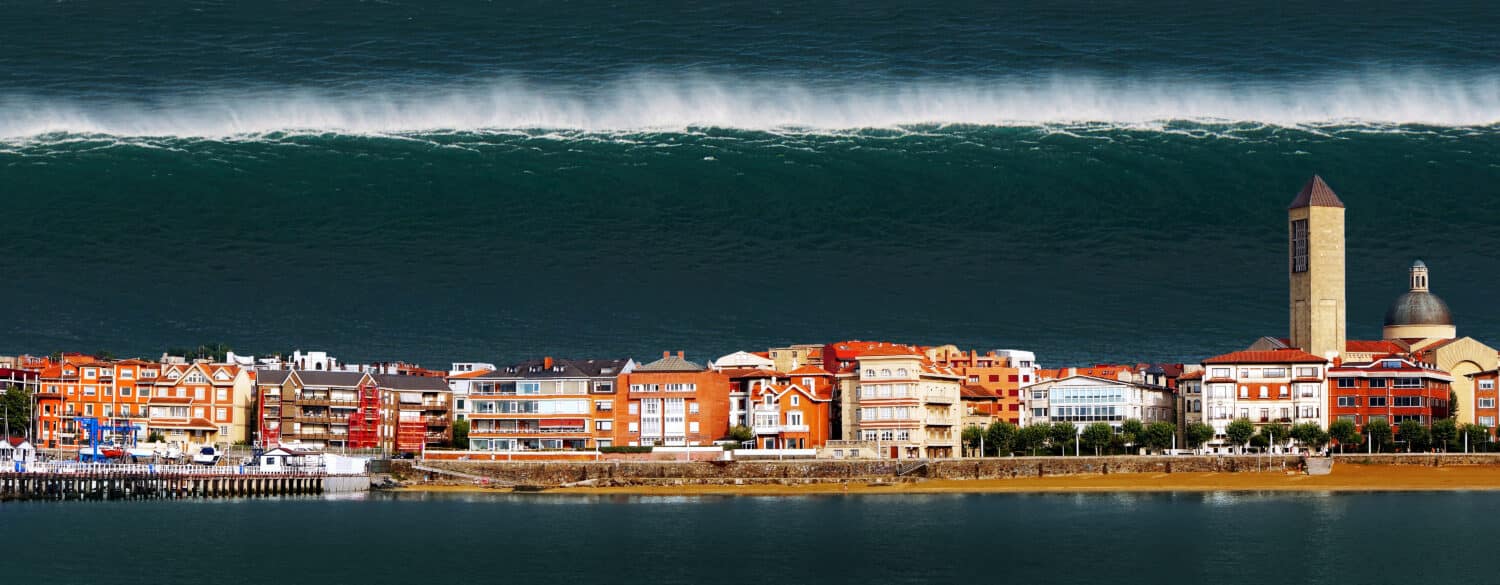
(1345, 478)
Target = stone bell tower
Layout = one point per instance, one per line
(1316, 270)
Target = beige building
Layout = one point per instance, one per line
(1421, 321)
(899, 400)
(795, 356)
(1316, 269)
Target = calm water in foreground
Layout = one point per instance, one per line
(1116, 538)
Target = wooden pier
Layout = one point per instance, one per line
(120, 482)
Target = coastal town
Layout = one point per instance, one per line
(1421, 387)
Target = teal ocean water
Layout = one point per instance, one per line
(453, 181)
(1129, 539)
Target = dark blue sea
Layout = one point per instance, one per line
(1085, 539)
(438, 181)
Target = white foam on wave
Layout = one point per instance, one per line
(674, 103)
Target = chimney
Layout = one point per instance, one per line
(547, 362)
(680, 354)
(666, 354)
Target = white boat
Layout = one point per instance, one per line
(206, 455)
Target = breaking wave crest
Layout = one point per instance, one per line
(673, 103)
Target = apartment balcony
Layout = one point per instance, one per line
(941, 398)
(767, 429)
(438, 406)
(794, 428)
(441, 421)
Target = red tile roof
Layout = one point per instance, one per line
(1377, 347)
(1193, 375)
(1275, 356)
(1316, 193)
(893, 350)
(977, 392)
(809, 371)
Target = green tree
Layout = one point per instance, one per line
(1453, 404)
(461, 434)
(1344, 431)
(1158, 435)
(1379, 433)
(1239, 431)
(1416, 436)
(1444, 431)
(15, 409)
(1197, 434)
(1032, 437)
(740, 434)
(1478, 437)
(972, 435)
(155, 437)
(1131, 430)
(1097, 435)
(1062, 435)
(1000, 438)
(1276, 434)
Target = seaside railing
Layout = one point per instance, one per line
(154, 469)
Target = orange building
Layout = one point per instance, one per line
(80, 386)
(1390, 389)
(671, 402)
(793, 410)
(200, 403)
(992, 384)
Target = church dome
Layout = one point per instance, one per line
(1418, 307)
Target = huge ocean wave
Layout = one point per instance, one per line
(673, 103)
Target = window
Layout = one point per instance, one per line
(528, 387)
(603, 405)
(1265, 392)
(1039, 412)
(125, 391)
(885, 373)
(1408, 383)
(1348, 401)
(1282, 392)
(1378, 382)
(1306, 372)
(109, 411)
(1377, 401)
(796, 400)
(1299, 245)
(125, 410)
(198, 393)
(1486, 402)
(810, 383)
(198, 412)
(869, 373)
(221, 394)
(1348, 383)
(89, 390)
(1307, 390)
(1244, 392)
(221, 414)
(88, 410)
(693, 427)
(693, 408)
(634, 427)
(1483, 385)
(1274, 373)
(1487, 421)
(604, 387)
(1220, 373)
(1390, 363)
(634, 408)
(604, 425)
(223, 430)
(1406, 401)
(901, 372)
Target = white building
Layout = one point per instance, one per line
(1281, 386)
(897, 399)
(1084, 400)
(742, 360)
(460, 377)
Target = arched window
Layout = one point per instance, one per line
(901, 372)
(885, 373)
(869, 373)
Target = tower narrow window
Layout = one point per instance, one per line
(1299, 245)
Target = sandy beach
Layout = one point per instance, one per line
(1344, 478)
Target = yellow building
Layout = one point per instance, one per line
(1316, 269)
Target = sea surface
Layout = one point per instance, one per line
(1122, 539)
(443, 181)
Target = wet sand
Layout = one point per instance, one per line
(1345, 477)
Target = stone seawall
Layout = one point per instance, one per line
(824, 471)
